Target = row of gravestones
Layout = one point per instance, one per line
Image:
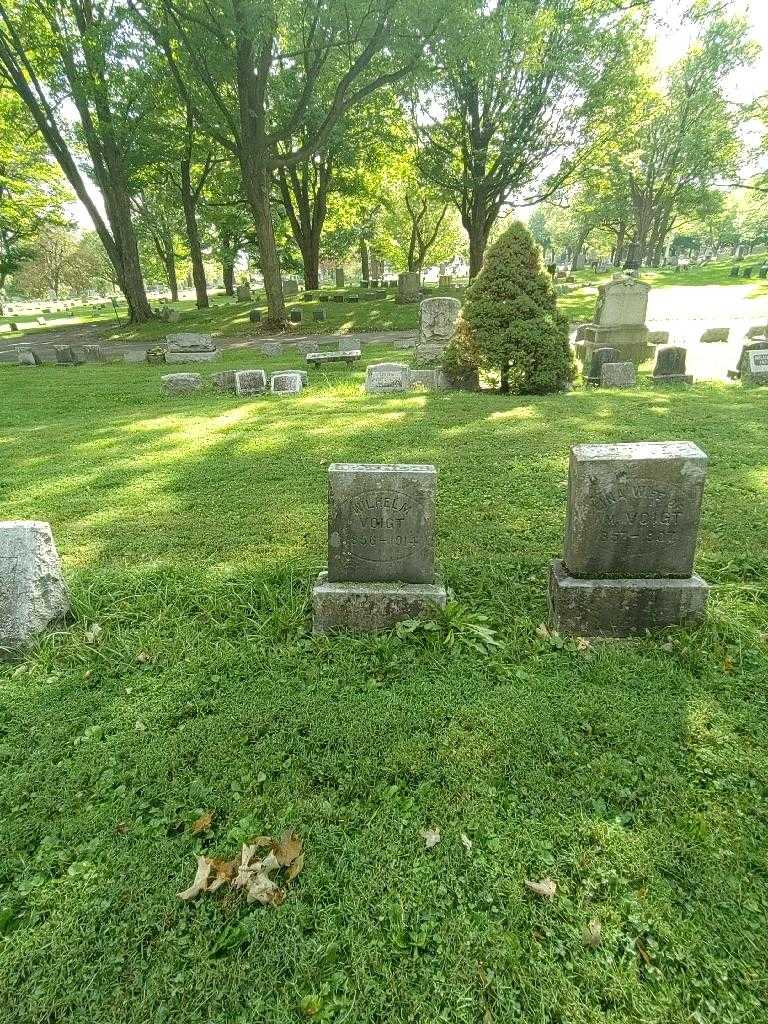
(607, 370)
(627, 566)
(245, 383)
(762, 272)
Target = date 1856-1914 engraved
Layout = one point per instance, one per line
(382, 526)
(639, 513)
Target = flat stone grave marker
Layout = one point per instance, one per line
(289, 383)
(630, 539)
(190, 343)
(181, 383)
(349, 356)
(93, 354)
(272, 348)
(255, 316)
(715, 335)
(25, 356)
(302, 373)
(33, 594)
(295, 316)
(319, 315)
(250, 382)
(618, 375)
(65, 355)
(384, 377)
(757, 367)
(381, 545)
(224, 380)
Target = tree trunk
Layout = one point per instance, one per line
(257, 188)
(621, 235)
(193, 236)
(228, 273)
(365, 260)
(504, 383)
(173, 280)
(128, 267)
(478, 239)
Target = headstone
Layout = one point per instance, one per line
(408, 341)
(295, 316)
(381, 542)
(93, 354)
(318, 315)
(758, 331)
(435, 379)
(670, 366)
(271, 348)
(324, 297)
(763, 272)
(658, 338)
(173, 316)
(224, 380)
(250, 382)
(756, 370)
(347, 356)
(633, 516)
(243, 292)
(255, 316)
(65, 354)
(408, 286)
(747, 272)
(386, 377)
(352, 298)
(618, 375)
(445, 281)
(619, 321)
(348, 345)
(715, 335)
(288, 383)
(33, 594)
(302, 373)
(190, 348)
(340, 277)
(290, 287)
(25, 356)
(741, 366)
(598, 358)
(438, 322)
(181, 383)
(305, 347)
(14, 327)
(155, 356)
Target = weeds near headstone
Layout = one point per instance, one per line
(454, 626)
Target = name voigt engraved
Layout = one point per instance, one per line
(640, 511)
(382, 526)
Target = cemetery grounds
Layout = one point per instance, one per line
(188, 685)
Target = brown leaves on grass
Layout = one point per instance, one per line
(546, 888)
(592, 933)
(202, 824)
(250, 873)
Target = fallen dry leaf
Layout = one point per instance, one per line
(542, 631)
(202, 824)
(592, 933)
(224, 871)
(546, 888)
(93, 633)
(582, 644)
(728, 664)
(643, 953)
(294, 868)
(200, 883)
(287, 849)
(466, 842)
(142, 657)
(431, 837)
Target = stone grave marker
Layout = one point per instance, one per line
(618, 375)
(408, 288)
(224, 380)
(756, 370)
(670, 366)
(65, 355)
(243, 292)
(25, 356)
(619, 321)
(93, 354)
(155, 356)
(288, 383)
(439, 318)
(255, 316)
(340, 277)
(250, 382)
(715, 335)
(630, 539)
(598, 357)
(295, 316)
(181, 383)
(741, 366)
(658, 338)
(318, 315)
(302, 373)
(348, 345)
(445, 281)
(381, 548)
(758, 331)
(190, 348)
(290, 287)
(405, 342)
(383, 377)
(271, 348)
(33, 594)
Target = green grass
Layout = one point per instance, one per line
(632, 773)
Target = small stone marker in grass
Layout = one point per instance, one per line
(715, 335)
(631, 530)
(302, 373)
(243, 292)
(670, 366)
(381, 548)
(741, 367)
(598, 358)
(181, 383)
(25, 356)
(224, 380)
(383, 377)
(190, 348)
(290, 287)
(33, 594)
(65, 355)
(756, 370)
(95, 354)
(758, 331)
(618, 375)
(272, 348)
(295, 316)
(318, 315)
(408, 288)
(288, 383)
(318, 358)
(250, 382)
(255, 316)
(340, 278)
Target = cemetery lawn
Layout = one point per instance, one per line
(632, 773)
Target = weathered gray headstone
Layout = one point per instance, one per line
(290, 287)
(438, 322)
(301, 373)
(319, 315)
(598, 357)
(381, 543)
(181, 383)
(271, 348)
(619, 321)
(405, 342)
(25, 356)
(295, 316)
(33, 594)
(618, 375)
(434, 379)
(348, 345)
(670, 366)
(715, 335)
(224, 380)
(758, 331)
(250, 382)
(386, 377)
(347, 356)
(408, 288)
(93, 354)
(756, 370)
(243, 292)
(633, 516)
(340, 277)
(190, 343)
(445, 281)
(65, 354)
(255, 316)
(288, 383)
(658, 337)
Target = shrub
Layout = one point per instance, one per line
(510, 321)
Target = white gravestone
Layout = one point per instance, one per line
(757, 367)
(286, 383)
(387, 377)
(32, 590)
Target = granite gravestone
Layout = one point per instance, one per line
(290, 287)
(340, 278)
(65, 355)
(25, 356)
(741, 366)
(715, 335)
(630, 540)
(93, 354)
(32, 590)
(619, 321)
(408, 288)
(224, 380)
(289, 383)
(243, 292)
(181, 383)
(381, 548)
(618, 375)
(250, 382)
(670, 366)
(272, 348)
(756, 370)
(438, 321)
(598, 357)
(190, 348)
(383, 377)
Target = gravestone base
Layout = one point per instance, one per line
(672, 378)
(631, 342)
(371, 607)
(174, 358)
(622, 608)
